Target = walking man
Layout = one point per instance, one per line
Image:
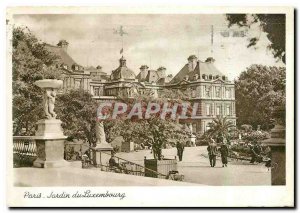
(255, 153)
(224, 154)
(180, 148)
(212, 152)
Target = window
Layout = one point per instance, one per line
(193, 92)
(207, 126)
(207, 91)
(227, 93)
(208, 109)
(96, 91)
(218, 110)
(228, 110)
(218, 92)
(77, 84)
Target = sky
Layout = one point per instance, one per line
(152, 39)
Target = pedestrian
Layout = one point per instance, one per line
(114, 165)
(258, 150)
(255, 153)
(212, 152)
(180, 149)
(268, 157)
(224, 154)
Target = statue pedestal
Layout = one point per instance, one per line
(101, 154)
(50, 144)
(49, 128)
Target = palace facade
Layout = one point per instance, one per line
(207, 85)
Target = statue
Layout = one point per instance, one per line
(100, 134)
(49, 99)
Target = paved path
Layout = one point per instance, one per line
(196, 169)
(36, 177)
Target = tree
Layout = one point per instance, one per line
(220, 128)
(78, 112)
(256, 136)
(30, 62)
(273, 24)
(259, 91)
(153, 131)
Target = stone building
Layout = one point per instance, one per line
(76, 76)
(208, 86)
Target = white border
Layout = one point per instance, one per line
(176, 196)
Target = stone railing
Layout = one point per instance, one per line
(25, 151)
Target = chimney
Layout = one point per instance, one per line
(210, 60)
(99, 68)
(63, 44)
(161, 71)
(192, 62)
(144, 72)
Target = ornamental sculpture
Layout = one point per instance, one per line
(50, 87)
(49, 101)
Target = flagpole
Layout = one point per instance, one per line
(122, 46)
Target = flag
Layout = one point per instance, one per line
(121, 51)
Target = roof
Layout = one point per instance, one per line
(162, 81)
(64, 57)
(93, 69)
(207, 68)
(122, 72)
(152, 76)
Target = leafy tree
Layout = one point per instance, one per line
(273, 24)
(220, 128)
(30, 62)
(259, 91)
(153, 131)
(78, 112)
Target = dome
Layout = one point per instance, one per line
(123, 72)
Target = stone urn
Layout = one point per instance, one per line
(49, 135)
(277, 143)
